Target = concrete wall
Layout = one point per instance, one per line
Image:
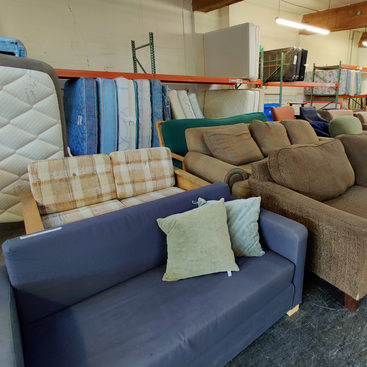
(96, 34)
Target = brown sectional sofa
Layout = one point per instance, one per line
(226, 153)
(323, 186)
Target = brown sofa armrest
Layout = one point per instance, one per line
(212, 169)
(337, 249)
(187, 181)
(32, 218)
(324, 138)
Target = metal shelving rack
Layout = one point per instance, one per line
(281, 84)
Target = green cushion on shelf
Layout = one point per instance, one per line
(173, 131)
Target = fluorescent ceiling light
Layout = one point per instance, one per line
(306, 27)
(364, 43)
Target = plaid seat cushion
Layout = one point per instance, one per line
(141, 171)
(144, 198)
(68, 216)
(69, 183)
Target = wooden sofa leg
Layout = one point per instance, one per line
(350, 303)
(293, 311)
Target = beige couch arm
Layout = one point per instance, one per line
(212, 169)
(337, 239)
(187, 181)
(32, 218)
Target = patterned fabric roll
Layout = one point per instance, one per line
(145, 114)
(166, 104)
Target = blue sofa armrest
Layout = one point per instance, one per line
(11, 351)
(289, 239)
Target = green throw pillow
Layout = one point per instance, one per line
(242, 218)
(198, 242)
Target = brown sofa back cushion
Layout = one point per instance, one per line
(355, 146)
(234, 148)
(269, 136)
(195, 136)
(321, 171)
(300, 132)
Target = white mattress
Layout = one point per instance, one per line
(195, 105)
(185, 104)
(30, 129)
(229, 102)
(232, 52)
(126, 114)
(176, 108)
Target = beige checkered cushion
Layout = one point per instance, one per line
(141, 171)
(69, 183)
(150, 196)
(68, 216)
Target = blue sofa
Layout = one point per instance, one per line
(91, 293)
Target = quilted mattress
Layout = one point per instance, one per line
(127, 114)
(145, 114)
(107, 115)
(185, 104)
(230, 102)
(80, 106)
(176, 108)
(31, 126)
(328, 76)
(232, 52)
(157, 108)
(195, 105)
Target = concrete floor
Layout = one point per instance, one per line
(322, 333)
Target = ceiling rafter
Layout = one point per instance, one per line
(209, 5)
(339, 19)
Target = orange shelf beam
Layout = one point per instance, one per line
(69, 73)
(301, 84)
(342, 66)
(358, 96)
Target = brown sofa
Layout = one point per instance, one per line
(225, 153)
(323, 186)
(332, 114)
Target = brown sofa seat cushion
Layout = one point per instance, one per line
(321, 171)
(300, 132)
(355, 146)
(195, 136)
(269, 136)
(353, 201)
(234, 148)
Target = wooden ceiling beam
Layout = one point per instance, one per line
(339, 19)
(209, 5)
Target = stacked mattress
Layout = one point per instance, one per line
(184, 105)
(106, 115)
(352, 82)
(293, 64)
(231, 102)
(232, 52)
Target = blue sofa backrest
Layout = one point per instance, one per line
(54, 269)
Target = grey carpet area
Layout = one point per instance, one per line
(322, 333)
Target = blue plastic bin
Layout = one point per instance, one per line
(12, 46)
(267, 110)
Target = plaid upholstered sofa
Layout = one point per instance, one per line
(90, 293)
(226, 153)
(69, 189)
(323, 186)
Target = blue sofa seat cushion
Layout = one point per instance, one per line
(147, 322)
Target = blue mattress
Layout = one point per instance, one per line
(80, 104)
(166, 104)
(157, 108)
(107, 116)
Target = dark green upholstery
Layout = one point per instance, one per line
(173, 131)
